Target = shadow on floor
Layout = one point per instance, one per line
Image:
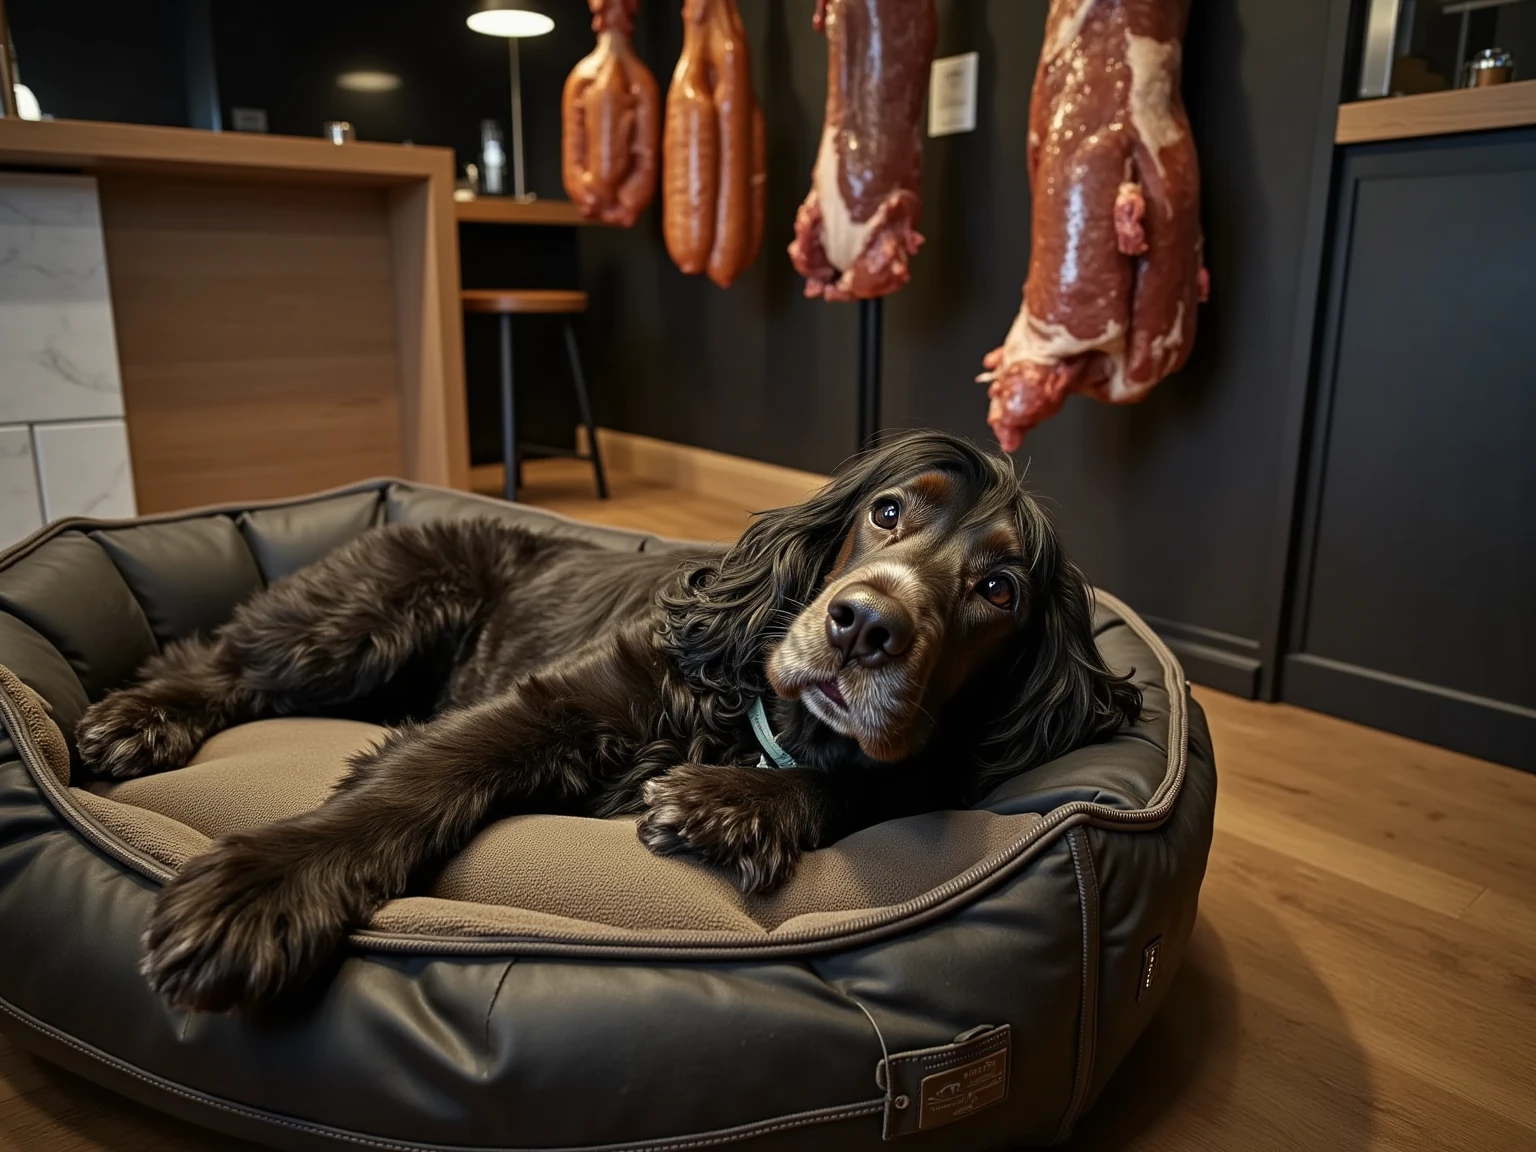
(1272, 1066)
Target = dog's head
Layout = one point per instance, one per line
(923, 589)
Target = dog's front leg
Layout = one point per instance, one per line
(753, 821)
(268, 909)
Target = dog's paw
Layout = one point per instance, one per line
(239, 927)
(129, 733)
(734, 818)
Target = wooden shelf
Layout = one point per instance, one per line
(1438, 113)
(505, 210)
(89, 146)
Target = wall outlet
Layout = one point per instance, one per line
(248, 119)
(952, 95)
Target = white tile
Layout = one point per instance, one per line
(84, 469)
(21, 509)
(58, 352)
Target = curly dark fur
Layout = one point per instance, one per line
(526, 672)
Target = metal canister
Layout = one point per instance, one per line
(1489, 67)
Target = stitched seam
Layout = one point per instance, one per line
(1082, 1017)
(934, 1062)
(1087, 893)
(28, 544)
(661, 1144)
(380, 484)
(63, 806)
(1092, 976)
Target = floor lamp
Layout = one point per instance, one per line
(513, 20)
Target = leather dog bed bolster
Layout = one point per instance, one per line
(963, 979)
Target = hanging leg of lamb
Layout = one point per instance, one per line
(611, 123)
(715, 152)
(857, 230)
(1115, 266)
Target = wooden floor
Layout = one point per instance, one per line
(1363, 972)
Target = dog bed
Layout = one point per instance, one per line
(954, 980)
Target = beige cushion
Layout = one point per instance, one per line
(538, 874)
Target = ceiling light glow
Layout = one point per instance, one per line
(368, 81)
(510, 22)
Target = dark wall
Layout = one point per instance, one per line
(1171, 503)
(102, 59)
(285, 55)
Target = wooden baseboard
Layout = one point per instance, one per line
(751, 484)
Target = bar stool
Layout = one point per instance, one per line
(536, 301)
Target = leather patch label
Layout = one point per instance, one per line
(947, 1096)
(937, 1086)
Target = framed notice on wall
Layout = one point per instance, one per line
(952, 95)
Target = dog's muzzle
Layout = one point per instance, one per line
(868, 627)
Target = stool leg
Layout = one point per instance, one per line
(509, 460)
(586, 410)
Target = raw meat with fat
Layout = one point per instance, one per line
(1116, 269)
(857, 230)
(610, 119)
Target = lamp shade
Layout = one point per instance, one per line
(511, 18)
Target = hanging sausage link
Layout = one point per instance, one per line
(714, 152)
(610, 122)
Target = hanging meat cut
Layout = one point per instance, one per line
(857, 230)
(714, 152)
(1116, 265)
(610, 122)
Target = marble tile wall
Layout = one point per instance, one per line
(63, 444)
(21, 503)
(82, 468)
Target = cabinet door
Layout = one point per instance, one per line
(1412, 607)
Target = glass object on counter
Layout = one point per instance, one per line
(338, 132)
(468, 185)
(1413, 46)
(1489, 67)
(493, 160)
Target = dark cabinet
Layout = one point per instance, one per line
(1411, 604)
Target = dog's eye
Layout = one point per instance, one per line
(885, 514)
(999, 591)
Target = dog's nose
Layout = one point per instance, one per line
(867, 626)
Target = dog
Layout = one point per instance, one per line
(902, 641)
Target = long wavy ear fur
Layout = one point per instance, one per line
(1061, 694)
(723, 614)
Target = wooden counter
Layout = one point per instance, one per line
(1438, 113)
(286, 309)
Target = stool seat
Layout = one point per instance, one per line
(520, 301)
(505, 303)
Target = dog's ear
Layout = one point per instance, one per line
(731, 607)
(1060, 694)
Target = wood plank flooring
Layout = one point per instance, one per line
(1362, 976)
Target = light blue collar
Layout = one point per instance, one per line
(764, 732)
